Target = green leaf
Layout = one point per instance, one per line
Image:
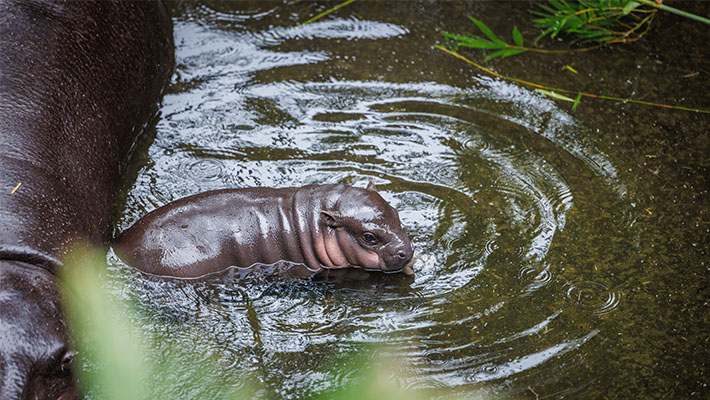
(503, 53)
(540, 14)
(576, 101)
(555, 95)
(550, 11)
(558, 27)
(496, 54)
(574, 24)
(630, 7)
(557, 5)
(486, 31)
(475, 42)
(540, 36)
(482, 44)
(451, 44)
(512, 52)
(517, 36)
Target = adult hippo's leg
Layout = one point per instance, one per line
(79, 81)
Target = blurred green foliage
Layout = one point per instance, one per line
(118, 362)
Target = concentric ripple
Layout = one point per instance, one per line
(492, 184)
(592, 296)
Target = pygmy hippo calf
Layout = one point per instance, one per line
(320, 226)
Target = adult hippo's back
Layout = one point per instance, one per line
(79, 82)
(320, 226)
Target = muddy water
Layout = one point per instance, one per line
(560, 254)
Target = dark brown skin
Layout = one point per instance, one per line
(37, 361)
(79, 81)
(323, 227)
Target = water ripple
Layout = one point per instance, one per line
(488, 182)
(592, 296)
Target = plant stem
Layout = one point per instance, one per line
(545, 51)
(324, 13)
(595, 96)
(675, 11)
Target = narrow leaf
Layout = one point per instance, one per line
(557, 5)
(630, 7)
(502, 53)
(486, 31)
(517, 36)
(576, 101)
(551, 11)
(452, 45)
(493, 55)
(512, 52)
(483, 44)
(558, 28)
(555, 95)
(574, 24)
(475, 42)
(540, 36)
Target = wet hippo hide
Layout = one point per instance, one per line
(79, 82)
(321, 227)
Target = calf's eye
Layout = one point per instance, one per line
(67, 360)
(369, 238)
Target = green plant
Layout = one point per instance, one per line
(117, 361)
(599, 22)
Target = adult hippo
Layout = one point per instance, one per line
(79, 82)
(323, 227)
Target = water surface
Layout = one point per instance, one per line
(545, 242)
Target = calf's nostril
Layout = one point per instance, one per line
(401, 254)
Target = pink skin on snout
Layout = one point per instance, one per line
(335, 239)
(336, 248)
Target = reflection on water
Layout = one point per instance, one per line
(498, 188)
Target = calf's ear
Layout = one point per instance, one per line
(371, 186)
(333, 220)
